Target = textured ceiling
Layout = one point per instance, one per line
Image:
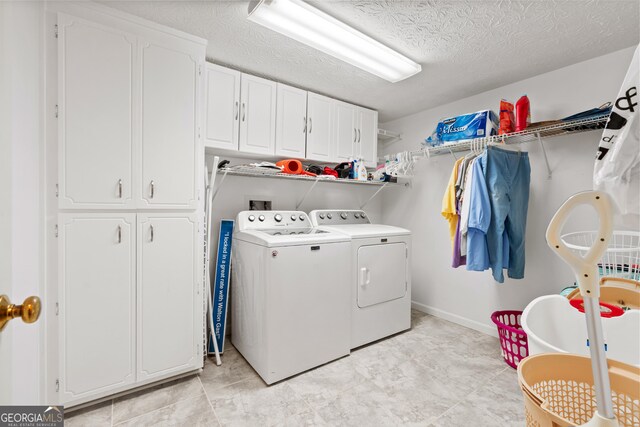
(465, 46)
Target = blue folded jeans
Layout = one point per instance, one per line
(508, 175)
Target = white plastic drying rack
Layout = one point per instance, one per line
(533, 134)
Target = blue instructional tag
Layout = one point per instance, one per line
(220, 292)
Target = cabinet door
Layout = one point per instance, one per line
(257, 115)
(319, 128)
(346, 132)
(368, 136)
(222, 107)
(96, 304)
(169, 109)
(95, 112)
(291, 126)
(170, 308)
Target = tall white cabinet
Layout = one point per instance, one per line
(129, 188)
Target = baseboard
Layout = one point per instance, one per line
(463, 321)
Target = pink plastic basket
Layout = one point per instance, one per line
(512, 338)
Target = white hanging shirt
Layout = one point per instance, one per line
(617, 167)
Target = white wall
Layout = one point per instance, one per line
(22, 103)
(466, 297)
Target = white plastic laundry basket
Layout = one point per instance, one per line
(622, 258)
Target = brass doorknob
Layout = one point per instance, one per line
(29, 311)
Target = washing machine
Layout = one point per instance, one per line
(290, 293)
(380, 274)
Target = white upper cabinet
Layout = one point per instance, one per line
(257, 115)
(95, 113)
(168, 125)
(291, 126)
(346, 132)
(319, 128)
(222, 106)
(169, 293)
(367, 144)
(129, 107)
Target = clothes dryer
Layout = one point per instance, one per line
(380, 274)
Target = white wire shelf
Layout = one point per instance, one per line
(531, 134)
(387, 136)
(258, 174)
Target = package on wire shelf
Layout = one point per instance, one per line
(464, 127)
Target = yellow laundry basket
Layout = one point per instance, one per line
(558, 390)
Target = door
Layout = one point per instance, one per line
(170, 308)
(382, 273)
(257, 115)
(319, 128)
(96, 304)
(291, 126)
(222, 107)
(95, 113)
(368, 136)
(169, 123)
(345, 131)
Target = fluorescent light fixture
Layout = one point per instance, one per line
(308, 25)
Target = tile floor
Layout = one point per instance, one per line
(437, 374)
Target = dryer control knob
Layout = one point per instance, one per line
(252, 218)
(261, 218)
(293, 217)
(356, 215)
(278, 217)
(301, 217)
(343, 215)
(321, 216)
(329, 216)
(362, 215)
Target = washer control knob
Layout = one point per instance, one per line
(278, 217)
(356, 215)
(362, 215)
(252, 218)
(329, 216)
(321, 216)
(261, 218)
(343, 215)
(293, 217)
(301, 217)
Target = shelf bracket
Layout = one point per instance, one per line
(374, 195)
(215, 193)
(451, 152)
(544, 152)
(307, 193)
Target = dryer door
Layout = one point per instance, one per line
(382, 273)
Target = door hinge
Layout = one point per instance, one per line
(55, 30)
(56, 111)
(56, 230)
(57, 309)
(57, 190)
(57, 385)
(200, 70)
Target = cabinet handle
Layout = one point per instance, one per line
(355, 135)
(310, 125)
(151, 230)
(120, 189)
(244, 111)
(237, 112)
(152, 191)
(119, 234)
(358, 136)
(304, 125)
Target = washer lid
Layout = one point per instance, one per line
(367, 230)
(290, 237)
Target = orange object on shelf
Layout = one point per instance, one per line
(293, 167)
(507, 119)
